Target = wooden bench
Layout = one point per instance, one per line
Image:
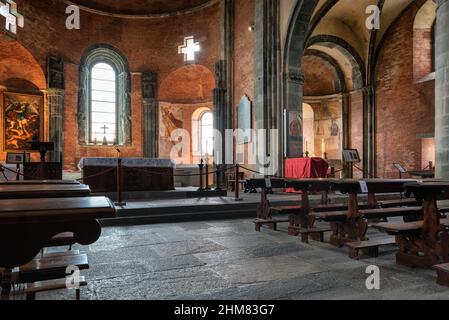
(442, 273)
(52, 285)
(410, 202)
(385, 213)
(315, 233)
(331, 216)
(271, 223)
(51, 267)
(370, 247)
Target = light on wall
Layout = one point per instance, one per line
(189, 48)
(251, 27)
(14, 19)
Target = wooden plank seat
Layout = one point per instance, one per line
(52, 285)
(288, 209)
(369, 247)
(271, 223)
(442, 273)
(316, 233)
(400, 228)
(384, 213)
(410, 202)
(51, 267)
(331, 216)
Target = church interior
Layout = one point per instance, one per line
(224, 149)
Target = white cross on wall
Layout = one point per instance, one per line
(13, 18)
(189, 49)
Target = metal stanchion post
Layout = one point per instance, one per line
(119, 184)
(237, 183)
(201, 166)
(207, 177)
(218, 177)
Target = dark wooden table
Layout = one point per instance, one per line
(24, 191)
(353, 227)
(27, 225)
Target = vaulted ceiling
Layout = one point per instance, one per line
(141, 7)
(341, 24)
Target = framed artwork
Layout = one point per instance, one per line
(244, 112)
(294, 130)
(351, 156)
(23, 120)
(17, 158)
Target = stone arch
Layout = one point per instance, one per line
(424, 41)
(352, 57)
(111, 55)
(19, 70)
(294, 79)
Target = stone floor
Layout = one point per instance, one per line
(229, 260)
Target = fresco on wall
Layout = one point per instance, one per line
(22, 120)
(295, 134)
(328, 129)
(170, 120)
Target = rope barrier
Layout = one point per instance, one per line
(10, 170)
(361, 170)
(96, 175)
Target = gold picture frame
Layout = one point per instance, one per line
(22, 119)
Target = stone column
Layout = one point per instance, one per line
(150, 116)
(293, 105)
(221, 109)
(369, 136)
(267, 111)
(442, 90)
(56, 94)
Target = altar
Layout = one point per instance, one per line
(138, 174)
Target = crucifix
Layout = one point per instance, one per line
(189, 49)
(105, 140)
(13, 18)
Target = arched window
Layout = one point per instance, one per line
(207, 133)
(103, 103)
(104, 97)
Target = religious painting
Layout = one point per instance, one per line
(170, 119)
(328, 129)
(22, 120)
(295, 134)
(244, 120)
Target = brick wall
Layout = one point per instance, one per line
(405, 110)
(147, 44)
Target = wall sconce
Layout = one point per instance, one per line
(251, 27)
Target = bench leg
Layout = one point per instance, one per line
(275, 226)
(293, 231)
(319, 236)
(304, 238)
(443, 278)
(258, 227)
(353, 253)
(78, 294)
(31, 296)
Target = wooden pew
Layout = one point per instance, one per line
(27, 225)
(264, 210)
(37, 191)
(423, 244)
(352, 225)
(300, 220)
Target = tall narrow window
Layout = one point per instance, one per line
(207, 133)
(103, 112)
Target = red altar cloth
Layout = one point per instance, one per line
(305, 168)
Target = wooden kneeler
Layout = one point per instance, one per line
(52, 285)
